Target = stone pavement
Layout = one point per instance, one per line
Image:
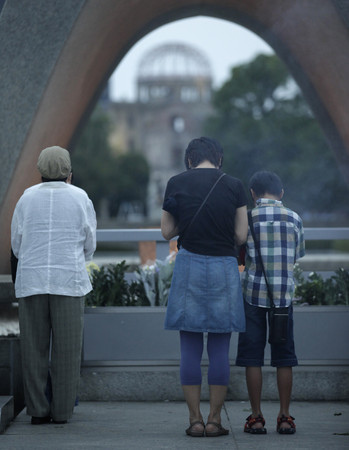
(161, 425)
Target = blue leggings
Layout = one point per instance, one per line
(192, 345)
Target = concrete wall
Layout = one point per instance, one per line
(129, 356)
(11, 380)
(160, 383)
(117, 335)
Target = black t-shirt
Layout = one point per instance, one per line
(212, 232)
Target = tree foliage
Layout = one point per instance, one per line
(92, 160)
(264, 123)
(131, 180)
(106, 176)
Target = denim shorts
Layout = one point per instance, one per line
(252, 342)
(205, 294)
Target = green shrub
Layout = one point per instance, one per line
(152, 284)
(317, 291)
(150, 288)
(110, 288)
(341, 281)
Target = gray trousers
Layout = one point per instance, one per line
(54, 320)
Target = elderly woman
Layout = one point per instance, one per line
(207, 210)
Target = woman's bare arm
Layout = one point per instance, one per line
(168, 225)
(241, 225)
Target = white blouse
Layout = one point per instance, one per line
(53, 234)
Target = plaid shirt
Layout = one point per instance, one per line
(280, 233)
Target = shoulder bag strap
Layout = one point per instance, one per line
(257, 247)
(201, 206)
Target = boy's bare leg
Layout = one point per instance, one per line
(192, 397)
(284, 382)
(254, 383)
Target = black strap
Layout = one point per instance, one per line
(257, 247)
(14, 263)
(201, 206)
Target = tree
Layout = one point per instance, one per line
(103, 175)
(92, 160)
(130, 182)
(264, 123)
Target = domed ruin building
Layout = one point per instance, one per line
(174, 86)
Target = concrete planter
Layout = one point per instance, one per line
(322, 335)
(11, 383)
(128, 356)
(115, 334)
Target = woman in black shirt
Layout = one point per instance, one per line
(205, 294)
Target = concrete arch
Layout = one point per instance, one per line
(56, 57)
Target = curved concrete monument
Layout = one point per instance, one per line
(56, 57)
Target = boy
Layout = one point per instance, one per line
(279, 232)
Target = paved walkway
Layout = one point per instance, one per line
(151, 426)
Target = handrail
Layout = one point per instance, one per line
(321, 234)
(154, 234)
(129, 235)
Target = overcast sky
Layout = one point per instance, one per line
(224, 43)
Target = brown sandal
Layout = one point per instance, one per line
(250, 421)
(283, 419)
(220, 430)
(196, 433)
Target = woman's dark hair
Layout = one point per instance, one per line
(202, 149)
(264, 182)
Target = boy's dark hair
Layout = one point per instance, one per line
(264, 182)
(202, 149)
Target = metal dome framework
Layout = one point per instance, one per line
(173, 60)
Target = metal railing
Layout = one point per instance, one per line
(162, 246)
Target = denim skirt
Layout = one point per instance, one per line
(205, 294)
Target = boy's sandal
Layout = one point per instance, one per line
(251, 421)
(220, 431)
(196, 433)
(283, 430)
